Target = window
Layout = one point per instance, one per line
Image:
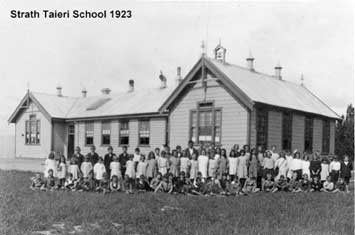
(326, 136)
(308, 134)
(144, 133)
(105, 133)
(205, 124)
(32, 127)
(261, 127)
(124, 133)
(89, 133)
(286, 130)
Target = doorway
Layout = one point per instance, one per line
(71, 140)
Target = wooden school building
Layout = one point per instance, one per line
(216, 102)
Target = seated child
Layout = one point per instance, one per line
(104, 184)
(250, 185)
(86, 183)
(36, 182)
(232, 187)
(293, 185)
(70, 182)
(340, 186)
(316, 185)
(50, 183)
(305, 184)
(165, 185)
(179, 184)
(281, 185)
(268, 184)
(142, 184)
(154, 183)
(196, 187)
(328, 185)
(216, 187)
(115, 184)
(223, 182)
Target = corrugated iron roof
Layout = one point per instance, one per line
(273, 91)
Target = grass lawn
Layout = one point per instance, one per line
(24, 211)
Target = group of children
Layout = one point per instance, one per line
(207, 171)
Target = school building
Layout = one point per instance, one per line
(216, 102)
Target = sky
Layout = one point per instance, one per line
(313, 38)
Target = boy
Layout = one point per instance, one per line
(345, 171)
(36, 182)
(334, 169)
(70, 183)
(50, 183)
(108, 158)
(328, 185)
(104, 184)
(77, 157)
(305, 184)
(250, 185)
(340, 186)
(316, 185)
(281, 185)
(268, 184)
(123, 158)
(93, 156)
(99, 170)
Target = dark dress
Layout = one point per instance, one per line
(315, 168)
(93, 158)
(188, 154)
(123, 158)
(79, 158)
(107, 160)
(345, 171)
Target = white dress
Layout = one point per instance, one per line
(194, 169)
(305, 168)
(281, 163)
(217, 157)
(162, 165)
(233, 163)
(86, 167)
(99, 170)
(203, 165)
(74, 170)
(62, 170)
(289, 160)
(324, 173)
(50, 164)
(115, 168)
(184, 164)
(274, 156)
(212, 167)
(141, 169)
(130, 171)
(242, 170)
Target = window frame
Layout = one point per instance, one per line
(198, 110)
(288, 134)
(263, 130)
(308, 135)
(93, 132)
(325, 136)
(33, 120)
(139, 132)
(119, 133)
(102, 134)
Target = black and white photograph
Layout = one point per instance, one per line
(177, 117)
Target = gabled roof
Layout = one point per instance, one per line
(254, 87)
(125, 103)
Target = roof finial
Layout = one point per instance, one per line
(203, 47)
(302, 80)
(28, 86)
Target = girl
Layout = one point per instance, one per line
(136, 157)
(74, 168)
(156, 181)
(250, 185)
(162, 163)
(281, 164)
(324, 172)
(99, 170)
(174, 164)
(233, 164)
(328, 185)
(104, 182)
(142, 167)
(296, 164)
(86, 167)
(115, 168)
(108, 158)
(305, 166)
(165, 185)
(151, 166)
(268, 184)
(268, 164)
(334, 169)
(203, 164)
(345, 171)
(142, 184)
(280, 184)
(253, 164)
(50, 181)
(115, 185)
(212, 165)
(130, 172)
(194, 167)
(70, 182)
(62, 171)
(222, 164)
(289, 159)
(217, 155)
(184, 163)
(36, 182)
(242, 169)
(315, 166)
(50, 164)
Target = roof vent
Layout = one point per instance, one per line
(162, 80)
(278, 69)
(131, 85)
(84, 93)
(178, 76)
(250, 62)
(105, 91)
(59, 91)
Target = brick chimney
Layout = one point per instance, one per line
(131, 85)
(105, 91)
(178, 76)
(162, 80)
(59, 91)
(278, 69)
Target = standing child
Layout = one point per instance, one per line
(218, 154)
(334, 168)
(345, 171)
(281, 165)
(296, 164)
(184, 163)
(142, 167)
(289, 159)
(61, 172)
(212, 165)
(92, 155)
(99, 171)
(115, 168)
(108, 158)
(77, 156)
(162, 163)
(130, 174)
(305, 166)
(74, 168)
(253, 164)
(242, 169)
(194, 167)
(324, 172)
(268, 164)
(86, 167)
(315, 166)
(233, 164)
(174, 164)
(151, 166)
(222, 164)
(136, 157)
(203, 164)
(50, 164)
